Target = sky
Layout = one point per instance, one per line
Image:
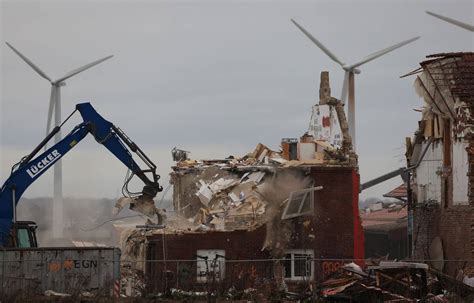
(212, 77)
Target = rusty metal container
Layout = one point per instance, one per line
(70, 270)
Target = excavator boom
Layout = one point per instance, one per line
(31, 167)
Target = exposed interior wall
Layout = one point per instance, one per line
(446, 176)
(460, 178)
(428, 174)
(324, 124)
(185, 187)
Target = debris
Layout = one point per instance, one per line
(87, 244)
(436, 254)
(143, 205)
(202, 227)
(391, 281)
(225, 194)
(256, 177)
(179, 154)
(51, 293)
(204, 194)
(86, 294)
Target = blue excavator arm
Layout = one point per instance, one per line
(31, 168)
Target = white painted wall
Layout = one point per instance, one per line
(460, 167)
(306, 151)
(330, 132)
(428, 180)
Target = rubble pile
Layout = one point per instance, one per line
(226, 194)
(309, 152)
(390, 281)
(133, 245)
(229, 200)
(131, 268)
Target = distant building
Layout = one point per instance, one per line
(385, 233)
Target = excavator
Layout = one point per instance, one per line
(22, 234)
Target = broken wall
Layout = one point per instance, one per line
(333, 232)
(429, 174)
(186, 185)
(447, 90)
(453, 226)
(324, 124)
(460, 173)
(444, 181)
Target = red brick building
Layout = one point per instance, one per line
(299, 206)
(333, 232)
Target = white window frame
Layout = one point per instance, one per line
(307, 193)
(212, 263)
(293, 252)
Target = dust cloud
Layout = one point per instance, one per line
(275, 192)
(85, 220)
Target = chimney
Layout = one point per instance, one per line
(324, 88)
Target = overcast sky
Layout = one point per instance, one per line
(214, 78)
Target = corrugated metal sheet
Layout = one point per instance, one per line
(65, 270)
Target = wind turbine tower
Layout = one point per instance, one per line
(350, 70)
(469, 27)
(55, 106)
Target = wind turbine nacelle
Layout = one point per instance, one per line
(348, 68)
(60, 84)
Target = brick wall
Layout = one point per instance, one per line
(470, 170)
(334, 211)
(238, 245)
(453, 226)
(333, 232)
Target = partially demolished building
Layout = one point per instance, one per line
(442, 152)
(296, 204)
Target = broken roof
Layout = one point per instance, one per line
(447, 78)
(262, 158)
(399, 192)
(445, 81)
(457, 73)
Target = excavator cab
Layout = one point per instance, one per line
(23, 235)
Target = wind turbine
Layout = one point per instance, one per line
(469, 27)
(55, 105)
(348, 86)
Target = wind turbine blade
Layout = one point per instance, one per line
(28, 61)
(345, 86)
(382, 52)
(319, 44)
(81, 69)
(469, 27)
